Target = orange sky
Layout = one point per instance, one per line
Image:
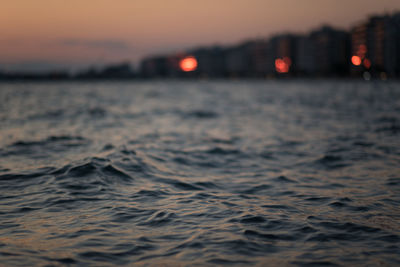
(96, 31)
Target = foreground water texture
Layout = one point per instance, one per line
(200, 173)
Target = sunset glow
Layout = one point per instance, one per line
(97, 32)
(188, 64)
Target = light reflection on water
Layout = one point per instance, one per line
(200, 173)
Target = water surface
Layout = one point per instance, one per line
(200, 173)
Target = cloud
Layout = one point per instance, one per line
(104, 44)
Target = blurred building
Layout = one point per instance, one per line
(372, 46)
(114, 71)
(211, 62)
(283, 49)
(165, 67)
(396, 41)
(331, 51)
(262, 58)
(117, 71)
(238, 60)
(376, 46)
(359, 37)
(154, 67)
(173, 69)
(305, 56)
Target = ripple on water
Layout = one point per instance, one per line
(186, 174)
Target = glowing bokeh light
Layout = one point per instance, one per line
(188, 64)
(367, 63)
(282, 65)
(356, 60)
(288, 61)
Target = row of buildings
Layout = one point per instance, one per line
(371, 46)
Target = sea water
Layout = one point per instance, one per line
(200, 173)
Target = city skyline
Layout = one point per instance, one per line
(78, 35)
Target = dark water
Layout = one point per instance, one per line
(200, 173)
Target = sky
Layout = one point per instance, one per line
(45, 34)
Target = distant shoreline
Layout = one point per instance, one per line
(243, 79)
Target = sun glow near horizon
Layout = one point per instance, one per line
(104, 30)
